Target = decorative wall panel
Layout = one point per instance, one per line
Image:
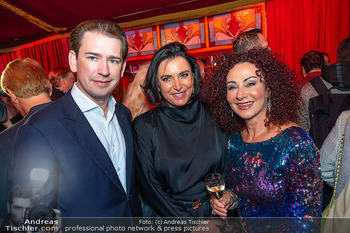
(142, 41)
(223, 29)
(190, 33)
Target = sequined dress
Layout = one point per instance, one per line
(279, 177)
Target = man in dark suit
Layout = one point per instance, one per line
(25, 81)
(80, 148)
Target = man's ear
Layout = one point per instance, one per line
(13, 97)
(50, 90)
(8, 207)
(123, 69)
(72, 59)
(303, 72)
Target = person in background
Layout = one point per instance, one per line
(62, 78)
(326, 58)
(201, 95)
(333, 145)
(120, 91)
(177, 143)
(332, 79)
(249, 40)
(9, 114)
(26, 82)
(133, 97)
(310, 65)
(339, 214)
(82, 144)
(273, 165)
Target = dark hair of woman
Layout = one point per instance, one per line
(278, 78)
(169, 51)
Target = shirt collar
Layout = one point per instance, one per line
(85, 104)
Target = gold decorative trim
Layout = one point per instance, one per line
(31, 18)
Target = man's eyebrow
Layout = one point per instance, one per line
(114, 57)
(100, 55)
(92, 53)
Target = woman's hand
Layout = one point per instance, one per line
(220, 206)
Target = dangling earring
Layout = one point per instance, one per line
(268, 105)
(232, 112)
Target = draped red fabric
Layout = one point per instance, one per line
(49, 54)
(296, 26)
(6, 58)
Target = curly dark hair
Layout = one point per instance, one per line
(278, 78)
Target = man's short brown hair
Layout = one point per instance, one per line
(25, 78)
(104, 27)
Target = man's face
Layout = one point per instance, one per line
(17, 209)
(99, 66)
(67, 82)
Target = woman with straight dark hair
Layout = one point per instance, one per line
(177, 142)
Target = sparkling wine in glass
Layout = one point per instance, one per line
(215, 185)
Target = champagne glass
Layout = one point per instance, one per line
(215, 185)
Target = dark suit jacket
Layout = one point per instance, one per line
(82, 180)
(7, 139)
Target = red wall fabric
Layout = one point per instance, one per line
(6, 58)
(50, 54)
(296, 26)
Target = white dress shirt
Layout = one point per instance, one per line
(107, 129)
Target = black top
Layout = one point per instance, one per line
(176, 148)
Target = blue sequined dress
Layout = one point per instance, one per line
(279, 177)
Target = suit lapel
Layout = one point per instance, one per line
(78, 126)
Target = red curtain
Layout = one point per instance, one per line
(296, 26)
(6, 58)
(49, 54)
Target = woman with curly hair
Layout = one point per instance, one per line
(273, 164)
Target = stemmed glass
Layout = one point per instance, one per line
(215, 185)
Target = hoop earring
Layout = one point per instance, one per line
(268, 105)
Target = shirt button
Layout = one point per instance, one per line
(118, 168)
(113, 145)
